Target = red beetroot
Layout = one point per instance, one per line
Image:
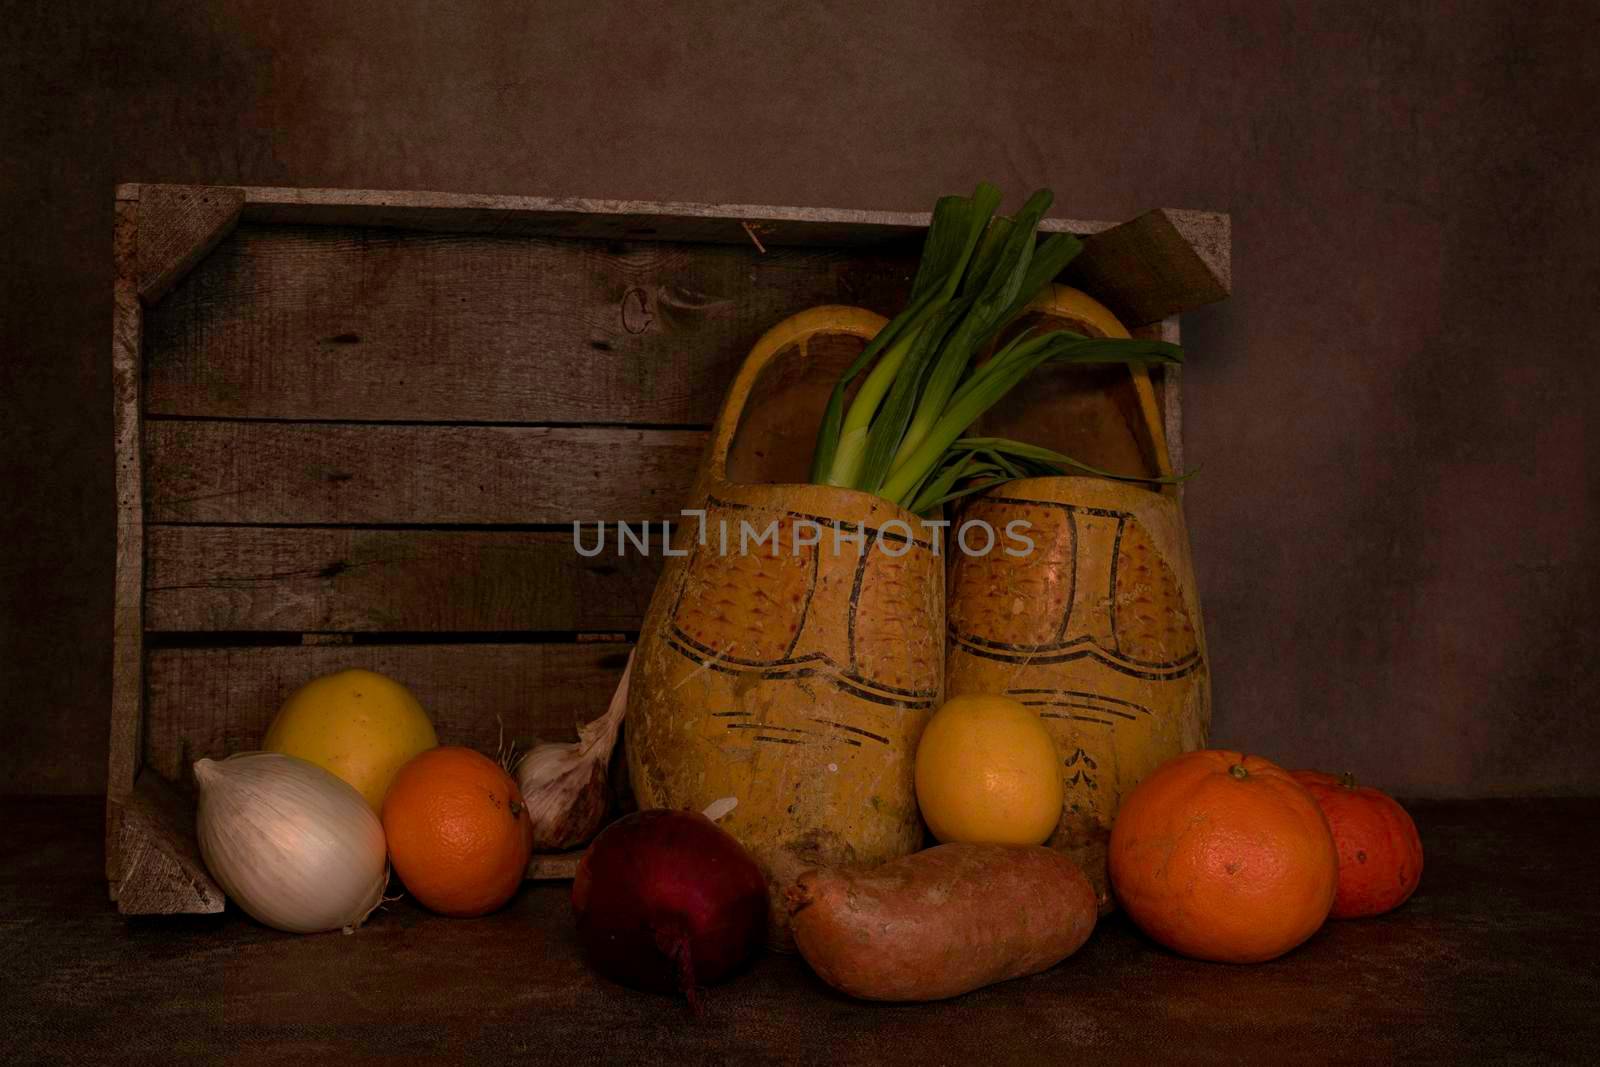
(665, 900)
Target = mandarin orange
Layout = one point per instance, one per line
(1380, 854)
(459, 833)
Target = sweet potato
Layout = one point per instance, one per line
(942, 922)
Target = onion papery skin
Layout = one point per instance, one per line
(295, 847)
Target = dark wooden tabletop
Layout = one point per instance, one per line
(1496, 959)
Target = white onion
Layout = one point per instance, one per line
(295, 846)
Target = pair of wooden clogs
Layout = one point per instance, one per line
(792, 655)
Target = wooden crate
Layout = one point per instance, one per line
(353, 429)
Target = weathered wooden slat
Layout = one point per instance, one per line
(587, 218)
(161, 871)
(299, 473)
(1168, 381)
(1162, 263)
(218, 701)
(341, 323)
(127, 619)
(178, 225)
(554, 866)
(247, 578)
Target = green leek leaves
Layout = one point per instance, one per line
(902, 436)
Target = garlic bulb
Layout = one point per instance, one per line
(564, 783)
(294, 846)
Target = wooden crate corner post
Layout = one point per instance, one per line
(152, 863)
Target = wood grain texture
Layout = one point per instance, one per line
(554, 866)
(343, 323)
(218, 701)
(296, 473)
(1168, 381)
(584, 217)
(162, 872)
(249, 579)
(127, 626)
(1159, 264)
(178, 225)
(1210, 234)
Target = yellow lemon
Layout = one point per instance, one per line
(987, 771)
(358, 724)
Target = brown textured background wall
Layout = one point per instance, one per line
(1396, 524)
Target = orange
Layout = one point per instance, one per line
(1380, 854)
(1223, 856)
(459, 833)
